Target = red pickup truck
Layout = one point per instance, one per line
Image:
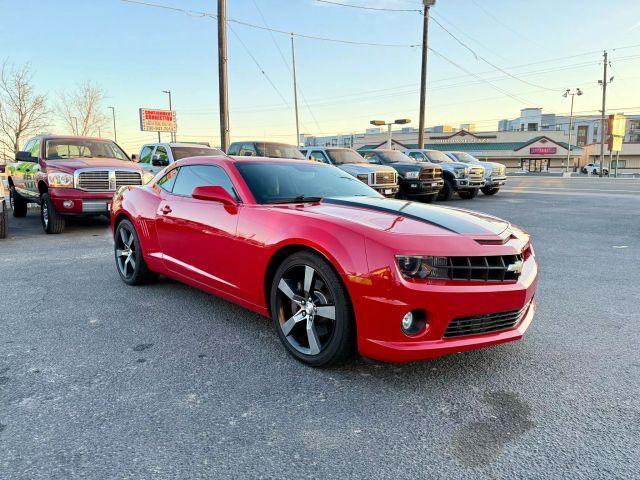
(69, 175)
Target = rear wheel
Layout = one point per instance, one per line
(132, 268)
(490, 190)
(311, 311)
(468, 194)
(4, 222)
(447, 191)
(18, 204)
(52, 221)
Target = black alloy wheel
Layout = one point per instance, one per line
(132, 268)
(52, 221)
(311, 311)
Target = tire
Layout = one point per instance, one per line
(52, 222)
(132, 268)
(4, 221)
(447, 191)
(18, 204)
(332, 341)
(468, 194)
(490, 190)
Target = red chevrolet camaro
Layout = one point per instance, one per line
(334, 264)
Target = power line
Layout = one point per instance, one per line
(362, 7)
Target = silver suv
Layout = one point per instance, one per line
(379, 177)
(495, 174)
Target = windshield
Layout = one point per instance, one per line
(297, 182)
(184, 152)
(345, 155)
(436, 156)
(465, 157)
(278, 150)
(60, 148)
(394, 156)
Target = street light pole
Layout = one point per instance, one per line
(423, 76)
(380, 123)
(113, 114)
(171, 134)
(567, 93)
(222, 75)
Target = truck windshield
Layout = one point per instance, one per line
(278, 150)
(345, 155)
(394, 156)
(184, 152)
(464, 157)
(436, 156)
(60, 148)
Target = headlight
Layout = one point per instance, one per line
(461, 172)
(58, 179)
(363, 177)
(412, 175)
(414, 266)
(147, 177)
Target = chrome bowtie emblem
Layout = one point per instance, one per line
(515, 267)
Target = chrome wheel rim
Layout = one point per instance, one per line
(45, 214)
(306, 309)
(126, 255)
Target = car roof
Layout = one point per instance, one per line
(47, 136)
(233, 159)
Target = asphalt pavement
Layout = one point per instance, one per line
(103, 381)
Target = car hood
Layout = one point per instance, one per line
(364, 168)
(410, 166)
(409, 218)
(69, 165)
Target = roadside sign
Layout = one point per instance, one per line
(617, 129)
(615, 145)
(154, 120)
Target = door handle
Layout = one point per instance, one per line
(166, 209)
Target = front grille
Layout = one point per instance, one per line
(128, 178)
(476, 174)
(499, 268)
(385, 178)
(431, 173)
(480, 324)
(94, 181)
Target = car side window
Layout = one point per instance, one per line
(27, 147)
(372, 158)
(319, 156)
(233, 149)
(161, 152)
(192, 176)
(248, 150)
(166, 183)
(145, 154)
(417, 156)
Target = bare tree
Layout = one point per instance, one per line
(81, 110)
(22, 111)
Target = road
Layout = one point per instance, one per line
(99, 380)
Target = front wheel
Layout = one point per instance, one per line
(311, 311)
(132, 268)
(18, 204)
(52, 221)
(4, 222)
(490, 190)
(447, 191)
(468, 194)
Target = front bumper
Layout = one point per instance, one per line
(79, 202)
(468, 184)
(379, 311)
(495, 182)
(386, 190)
(421, 187)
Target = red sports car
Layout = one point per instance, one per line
(334, 264)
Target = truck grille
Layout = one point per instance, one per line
(499, 268)
(385, 178)
(476, 173)
(431, 173)
(106, 180)
(480, 324)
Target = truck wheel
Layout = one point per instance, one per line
(468, 194)
(490, 191)
(4, 221)
(132, 268)
(18, 204)
(52, 221)
(447, 191)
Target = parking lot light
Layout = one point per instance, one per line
(380, 123)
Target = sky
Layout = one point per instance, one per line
(510, 54)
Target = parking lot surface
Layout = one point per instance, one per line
(100, 380)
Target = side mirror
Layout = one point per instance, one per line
(158, 161)
(214, 193)
(135, 158)
(25, 157)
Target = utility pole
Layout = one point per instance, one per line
(222, 75)
(567, 93)
(603, 111)
(423, 77)
(113, 114)
(171, 134)
(295, 89)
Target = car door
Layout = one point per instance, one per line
(16, 170)
(198, 237)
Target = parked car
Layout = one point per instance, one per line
(495, 174)
(418, 180)
(155, 156)
(458, 177)
(265, 149)
(594, 169)
(336, 266)
(69, 176)
(4, 221)
(382, 179)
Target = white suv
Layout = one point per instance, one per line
(155, 156)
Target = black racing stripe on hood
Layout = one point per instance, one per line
(453, 220)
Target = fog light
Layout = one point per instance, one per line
(67, 204)
(414, 322)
